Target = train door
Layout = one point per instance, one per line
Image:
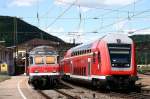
(99, 60)
(89, 67)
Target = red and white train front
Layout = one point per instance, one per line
(105, 62)
(43, 67)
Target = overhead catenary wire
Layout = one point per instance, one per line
(108, 25)
(118, 9)
(107, 9)
(61, 15)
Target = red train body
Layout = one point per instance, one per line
(107, 61)
(43, 67)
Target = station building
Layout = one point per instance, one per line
(6, 60)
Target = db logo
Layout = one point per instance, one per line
(118, 41)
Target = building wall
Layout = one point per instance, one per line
(6, 56)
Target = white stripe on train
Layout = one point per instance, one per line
(88, 77)
(43, 74)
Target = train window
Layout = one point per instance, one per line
(88, 51)
(77, 52)
(71, 54)
(31, 60)
(82, 52)
(50, 59)
(85, 51)
(94, 55)
(58, 59)
(99, 57)
(39, 60)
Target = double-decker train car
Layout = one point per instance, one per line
(107, 62)
(43, 66)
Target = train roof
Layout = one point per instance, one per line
(109, 38)
(43, 50)
(114, 37)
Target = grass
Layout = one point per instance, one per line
(144, 69)
(4, 77)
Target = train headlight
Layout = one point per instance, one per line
(36, 71)
(54, 71)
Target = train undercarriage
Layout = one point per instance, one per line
(44, 81)
(115, 82)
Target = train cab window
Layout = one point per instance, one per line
(31, 60)
(50, 59)
(39, 60)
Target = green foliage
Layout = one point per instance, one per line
(144, 69)
(14, 30)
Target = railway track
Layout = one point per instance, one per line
(71, 91)
(60, 92)
(132, 95)
(43, 94)
(98, 94)
(67, 95)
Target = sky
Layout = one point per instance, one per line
(82, 20)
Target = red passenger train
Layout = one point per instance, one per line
(43, 66)
(106, 62)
